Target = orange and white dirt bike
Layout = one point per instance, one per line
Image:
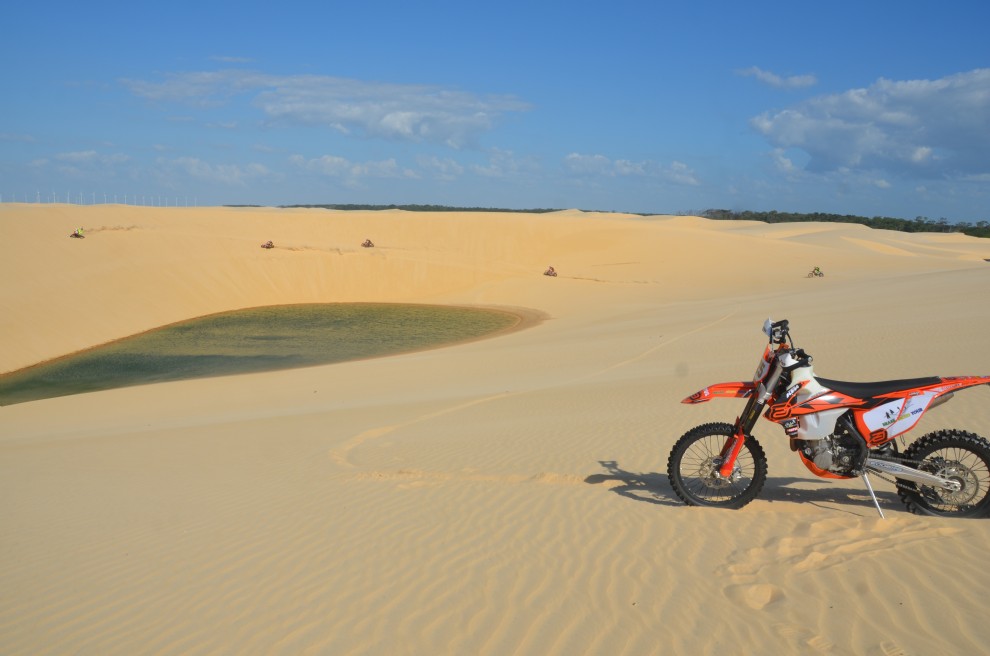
(839, 430)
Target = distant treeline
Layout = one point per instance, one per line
(424, 208)
(918, 224)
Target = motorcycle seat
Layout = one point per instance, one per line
(866, 390)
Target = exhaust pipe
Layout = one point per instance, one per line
(942, 399)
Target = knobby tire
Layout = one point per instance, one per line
(692, 466)
(957, 454)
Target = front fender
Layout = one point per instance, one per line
(722, 391)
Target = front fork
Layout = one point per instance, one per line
(745, 422)
(730, 451)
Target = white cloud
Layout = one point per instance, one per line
(601, 166)
(91, 157)
(200, 89)
(349, 172)
(387, 168)
(232, 60)
(921, 128)
(9, 136)
(681, 173)
(783, 163)
(505, 163)
(227, 174)
(588, 164)
(395, 111)
(84, 163)
(441, 169)
(774, 80)
(328, 165)
(628, 167)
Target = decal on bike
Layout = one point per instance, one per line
(911, 413)
(839, 430)
(722, 390)
(883, 416)
(779, 413)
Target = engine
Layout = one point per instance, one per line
(840, 453)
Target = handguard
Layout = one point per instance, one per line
(740, 390)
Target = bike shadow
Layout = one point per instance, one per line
(652, 487)
(648, 487)
(844, 495)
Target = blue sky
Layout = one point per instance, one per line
(868, 108)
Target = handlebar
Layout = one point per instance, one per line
(777, 331)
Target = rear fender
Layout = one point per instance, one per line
(953, 383)
(741, 390)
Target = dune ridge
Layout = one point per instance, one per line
(503, 496)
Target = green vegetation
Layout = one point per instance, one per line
(919, 224)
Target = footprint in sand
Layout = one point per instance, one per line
(824, 544)
(757, 596)
(804, 640)
(888, 648)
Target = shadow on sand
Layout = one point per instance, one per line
(651, 488)
(655, 488)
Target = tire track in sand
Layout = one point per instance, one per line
(341, 454)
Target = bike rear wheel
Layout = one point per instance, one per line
(694, 462)
(958, 455)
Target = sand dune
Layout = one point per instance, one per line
(505, 496)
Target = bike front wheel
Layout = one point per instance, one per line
(694, 463)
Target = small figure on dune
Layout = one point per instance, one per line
(550, 272)
(77, 234)
(268, 244)
(368, 244)
(816, 273)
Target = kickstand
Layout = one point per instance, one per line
(870, 488)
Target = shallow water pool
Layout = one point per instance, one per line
(247, 341)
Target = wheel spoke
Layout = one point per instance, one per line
(695, 463)
(957, 456)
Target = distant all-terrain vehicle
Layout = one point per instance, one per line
(550, 272)
(268, 244)
(77, 234)
(367, 243)
(816, 273)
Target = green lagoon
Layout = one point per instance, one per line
(256, 340)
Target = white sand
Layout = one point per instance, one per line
(505, 496)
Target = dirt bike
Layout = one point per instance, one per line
(840, 430)
(268, 244)
(816, 273)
